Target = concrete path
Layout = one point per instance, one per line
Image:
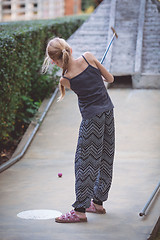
(32, 183)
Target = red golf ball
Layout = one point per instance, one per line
(59, 174)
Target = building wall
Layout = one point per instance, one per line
(14, 10)
(72, 7)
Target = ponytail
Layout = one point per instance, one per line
(45, 65)
(62, 90)
(57, 49)
(65, 59)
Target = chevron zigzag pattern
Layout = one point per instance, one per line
(94, 159)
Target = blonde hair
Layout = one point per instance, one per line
(57, 49)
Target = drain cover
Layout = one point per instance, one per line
(39, 214)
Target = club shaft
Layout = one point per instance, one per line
(107, 49)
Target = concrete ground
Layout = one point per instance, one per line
(32, 183)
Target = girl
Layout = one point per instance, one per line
(95, 148)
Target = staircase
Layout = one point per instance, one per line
(151, 40)
(136, 52)
(147, 58)
(92, 35)
(126, 23)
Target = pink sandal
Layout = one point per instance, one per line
(93, 209)
(70, 217)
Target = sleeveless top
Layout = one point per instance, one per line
(92, 94)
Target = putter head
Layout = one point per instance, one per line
(114, 32)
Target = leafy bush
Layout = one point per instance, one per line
(22, 87)
(90, 4)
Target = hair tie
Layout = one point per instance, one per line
(64, 50)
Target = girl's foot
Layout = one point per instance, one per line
(95, 208)
(72, 217)
(80, 215)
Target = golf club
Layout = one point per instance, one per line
(107, 49)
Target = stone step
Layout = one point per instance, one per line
(94, 40)
(91, 32)
(151, 37)
(94, 25)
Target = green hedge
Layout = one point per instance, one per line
(22, 87)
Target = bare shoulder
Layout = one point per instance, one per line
(90, 58)
(94, 62)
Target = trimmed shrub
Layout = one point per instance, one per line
(22, 87)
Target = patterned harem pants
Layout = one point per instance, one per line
(94, 159)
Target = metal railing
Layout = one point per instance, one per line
(143, 212)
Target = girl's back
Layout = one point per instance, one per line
(90, 89)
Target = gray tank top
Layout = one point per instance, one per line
(92, 94)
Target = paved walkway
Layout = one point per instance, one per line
(32, 183)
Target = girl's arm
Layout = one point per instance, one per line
(108, 77)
